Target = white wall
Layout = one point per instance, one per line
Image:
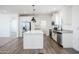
(5, 25)
(13, 25)
(75, 18)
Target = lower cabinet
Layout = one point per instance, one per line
(64, 39)
(54, 36)
(67, 40)
(33, 40)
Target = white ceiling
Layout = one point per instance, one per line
(28, 9)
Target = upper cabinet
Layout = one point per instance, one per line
(63, 18)
(66, 16)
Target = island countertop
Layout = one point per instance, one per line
(34, 31)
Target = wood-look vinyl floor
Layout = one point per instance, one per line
(50, 47)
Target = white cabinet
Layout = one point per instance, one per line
(33, 40)
(54, 36)
(67, 40)
(66, 16)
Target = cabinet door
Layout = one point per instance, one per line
(33, 41)
(54, 36)
(67, 40)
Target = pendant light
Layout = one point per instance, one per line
(33, 19)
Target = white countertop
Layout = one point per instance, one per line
(34, 31)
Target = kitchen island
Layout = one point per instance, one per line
(33, 39)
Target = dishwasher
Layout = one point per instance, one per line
(59, 38)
